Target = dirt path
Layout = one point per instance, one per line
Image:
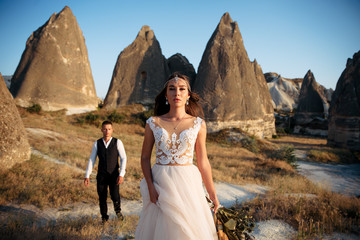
(344, 179)
(227, 193)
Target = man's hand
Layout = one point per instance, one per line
(86, 182)
(120, 180)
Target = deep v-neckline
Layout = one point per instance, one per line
(174, 147)
(180, 133)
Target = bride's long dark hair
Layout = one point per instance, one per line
(194, 108)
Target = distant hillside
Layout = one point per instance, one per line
(284, 91)
(7, 79)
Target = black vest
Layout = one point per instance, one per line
(108, 157)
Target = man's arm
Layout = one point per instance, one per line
(123, 160)
(91, 164)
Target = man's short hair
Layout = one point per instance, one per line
(107, 122)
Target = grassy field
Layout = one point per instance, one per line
(69, 138)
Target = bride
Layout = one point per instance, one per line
(174, 203)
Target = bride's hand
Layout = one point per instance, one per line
(154, 195)
(216, 204)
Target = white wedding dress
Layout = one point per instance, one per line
(182, 212)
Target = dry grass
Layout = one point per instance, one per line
(328, 155)
(20, 227)
(47, 184)
(43, 184)
(311, 216)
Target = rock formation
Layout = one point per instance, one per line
(233, 89)
(312, 111)
(344, 112)
(7, 80)
(179, 63)
(284, 91)
(54, 70)
(140, 72)
(14, 145)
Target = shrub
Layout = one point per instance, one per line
(141, 118)
(89, 118)
(116, 117)
(250, 144)
(285, 153)
(35, 108)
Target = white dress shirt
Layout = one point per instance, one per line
(92, 159)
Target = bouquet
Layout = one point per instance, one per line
(233, 224)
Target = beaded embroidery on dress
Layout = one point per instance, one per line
(181, 212)
(174, 149)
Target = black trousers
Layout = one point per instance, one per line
(105, 181)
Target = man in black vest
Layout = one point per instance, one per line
(108, 149)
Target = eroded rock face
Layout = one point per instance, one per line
(344, 112)
(54, 70)
(179, 63)
(284, 91)
(312, 111)
(140, 72)
(233, 89)
(7, 81)
(14, 145)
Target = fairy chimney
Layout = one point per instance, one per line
(344, 112)
(179, 63)
(233, 89)
(14, 145)
(54, 70)
(140, 72)
(312, 110)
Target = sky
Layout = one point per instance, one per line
(285, 36)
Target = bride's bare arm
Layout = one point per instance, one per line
(146, 162)
(204, 165)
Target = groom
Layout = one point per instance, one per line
(108, 149)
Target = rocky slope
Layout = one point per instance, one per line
(140, 72)
(233, 89)
(54, 70)
(344, 112)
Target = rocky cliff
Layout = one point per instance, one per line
(7, 81)
(14, 145)
(179, 63)
(344, 112)
(284, 91)
(54, 70)
(140, 72)
(233, 89)
(312, 111)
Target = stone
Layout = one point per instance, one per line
(7, 80)
(344, 112)
(284, 91)
(54, 70)
(233, 89)
(14, 145)
(312, 111)
(179, 63)
(140, 72)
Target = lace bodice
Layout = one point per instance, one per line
(177, 148)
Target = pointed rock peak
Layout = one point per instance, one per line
(227, 26)
(353, 61)
(65, 10)
(309, 78)
(226, 19)
(54, 70)
(309, 73)
(146, 33)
